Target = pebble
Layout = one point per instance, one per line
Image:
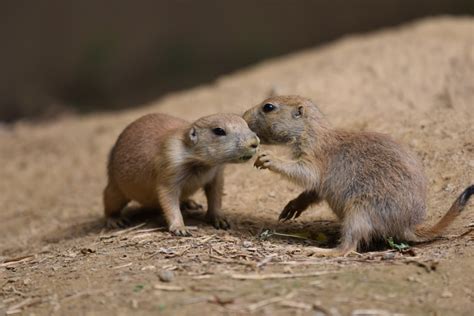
(148, 268)
(388, 256)
(449, 187)
(247, 244)
(166, 276)
(446, 294)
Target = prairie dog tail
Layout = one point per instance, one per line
(426, 233)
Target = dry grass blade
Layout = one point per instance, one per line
(266, 260)
(17, 307)
(370, 312)
(322, 309)
(172, 288)
(428, 266)
(205, 239)
(230, 261)
(255, 306)
(122, 232)
(303, 262)
(184, 251)
(201, 277)
(12, 261)
(82, 294)
(122, 266)
(278, 275)
(298, 305)
(149, 230)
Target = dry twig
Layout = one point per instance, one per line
(15, 309)
(81, 294)
(122, 232)
(12, 261)
(122, 266)
(278, 275)
(298, 305)
(255, 306)
(266, 260)
(166, 287)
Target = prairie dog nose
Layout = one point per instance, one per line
(254, 142)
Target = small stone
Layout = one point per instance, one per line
(166, 276)
(388, 256)
(86, 251)
(71, 254)
(446, 294)
(148, 268)
(247, 244)
(449, 187)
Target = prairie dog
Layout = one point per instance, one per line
(160, 161)
(374, 186)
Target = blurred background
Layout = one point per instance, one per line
(60, 57)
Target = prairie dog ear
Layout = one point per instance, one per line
(192, 136)
(299, 111)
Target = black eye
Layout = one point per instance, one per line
(219, 131)
(268, 107)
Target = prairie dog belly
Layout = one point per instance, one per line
(143, 189)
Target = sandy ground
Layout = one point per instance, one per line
(415, 82)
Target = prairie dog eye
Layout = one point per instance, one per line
(219, 131)
(268, 107)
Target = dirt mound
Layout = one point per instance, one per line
(415, 82)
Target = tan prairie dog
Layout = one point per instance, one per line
(160, 161)
(374, 186)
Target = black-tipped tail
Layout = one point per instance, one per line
(464, 197)
(455, 209)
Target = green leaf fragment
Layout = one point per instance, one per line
(399, 247)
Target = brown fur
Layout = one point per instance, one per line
(160, 161)
(375, 187)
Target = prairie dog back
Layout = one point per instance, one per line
(132, 159)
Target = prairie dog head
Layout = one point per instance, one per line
(222, 138)
(282, 119)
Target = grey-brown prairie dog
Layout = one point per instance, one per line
(160, 161)
(375, 187)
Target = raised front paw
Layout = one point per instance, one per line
(265, 161)
(179, 231)
(218, 221)
(291, 211)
